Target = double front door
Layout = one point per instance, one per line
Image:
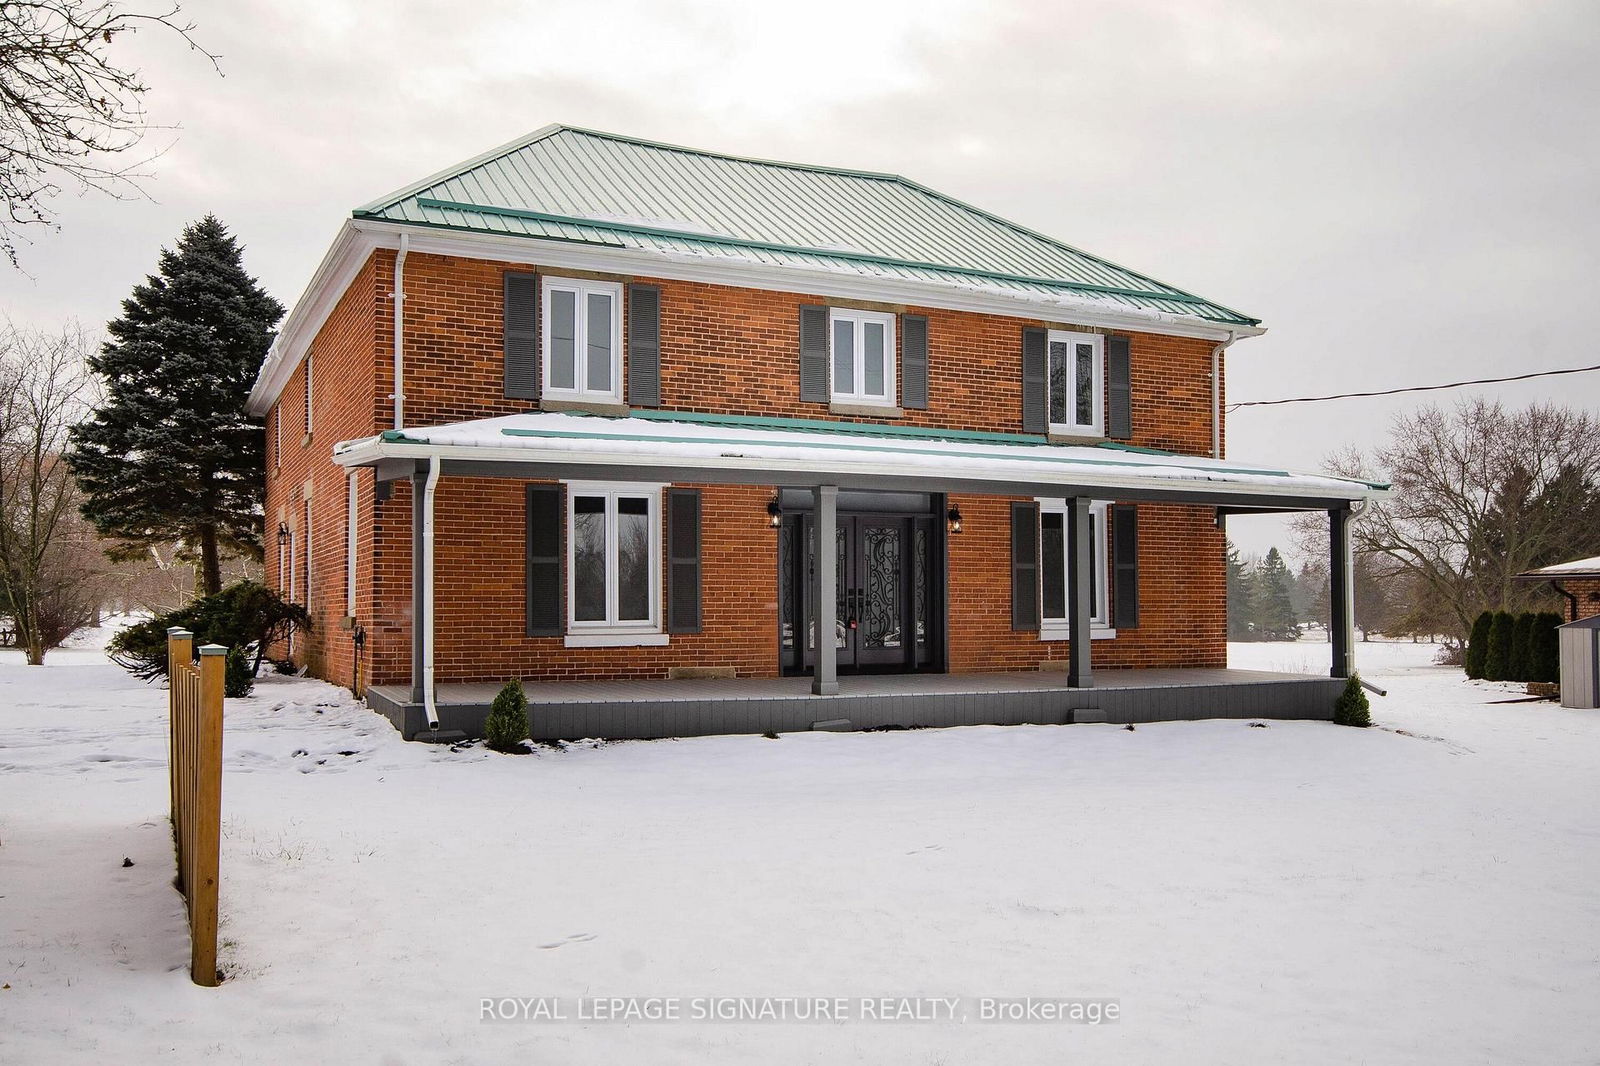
(883, 595)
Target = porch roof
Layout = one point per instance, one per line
(679, 446)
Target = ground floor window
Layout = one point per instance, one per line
(1055, 568)
(613, 553)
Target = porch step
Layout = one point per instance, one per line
(834, 725)
(1086, 715)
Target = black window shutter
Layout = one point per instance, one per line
(1124, 566)
(914, 362)
(1034, 415)
(1119, 389)
(521, 341)
(683, 560)
(813, 354)
(644, 345)
(543, 540)
(1024, 566)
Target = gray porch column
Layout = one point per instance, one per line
(418, 480)
(1080, 591)
(1341, 593)
(824, 588)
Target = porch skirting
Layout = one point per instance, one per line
(619, 710)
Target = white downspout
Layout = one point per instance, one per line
(1216, 394)
(399, 294)
(430, 703)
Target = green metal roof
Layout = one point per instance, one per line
(569, 184)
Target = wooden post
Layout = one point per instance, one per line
(180, 654)
(208, 817)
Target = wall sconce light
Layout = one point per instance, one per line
(283, 533)
(954, 516)
(774, 513)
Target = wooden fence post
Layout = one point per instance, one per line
(194, 703)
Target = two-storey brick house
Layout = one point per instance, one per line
(575, 411)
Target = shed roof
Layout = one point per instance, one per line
(569, 184)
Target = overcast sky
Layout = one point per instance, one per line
(1405, 193)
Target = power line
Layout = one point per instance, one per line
(1414, 388)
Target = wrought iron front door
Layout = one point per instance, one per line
(881, 594)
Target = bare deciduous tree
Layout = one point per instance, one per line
(68, 110)
(1480, 494)
(49, 572)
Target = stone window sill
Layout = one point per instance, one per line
(1062, 633)
(865, 410)
(616, 640)
(587, 407)
(1074, 438)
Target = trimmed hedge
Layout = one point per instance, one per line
(1478, 645)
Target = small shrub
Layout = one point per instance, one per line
(238, 679)
(1497, 664)
(507, 725)
(1478, 645)
(1520, 665)
(1351, 708)
(1449, 655)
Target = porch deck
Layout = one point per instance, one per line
(567, 710)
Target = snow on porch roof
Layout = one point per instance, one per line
(824, 452)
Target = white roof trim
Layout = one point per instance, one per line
(1578, 567)
(577, 441)
(358, 239)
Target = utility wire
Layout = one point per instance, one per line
(1414, 388)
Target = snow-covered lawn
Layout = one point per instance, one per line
(1298, 893)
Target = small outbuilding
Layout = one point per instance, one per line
(1580, 663)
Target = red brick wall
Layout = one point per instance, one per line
(726, 350)
(1588, 592)
(342, 380)
(1183, 592)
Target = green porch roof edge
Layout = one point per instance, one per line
(1174, 295)
(817, 425)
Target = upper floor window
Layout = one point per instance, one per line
(1076, 381)
(1055, 568)
(582, 339)
(861, 347)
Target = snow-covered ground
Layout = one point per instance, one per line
(1420, 892)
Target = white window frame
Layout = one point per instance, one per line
(1100, 621)
(581, 289)
(891, 380)
(309, 396)
(611, 632)
(1097, 426)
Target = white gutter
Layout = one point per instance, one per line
(370, 450)
(430, 703)
(399, 295)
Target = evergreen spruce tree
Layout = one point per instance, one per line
(1520, 667)
(1497, 663)
(506, 727)
(1274, 601)
(1478, 645)
(170, 455)
(1352, 708)
(1240, 607)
